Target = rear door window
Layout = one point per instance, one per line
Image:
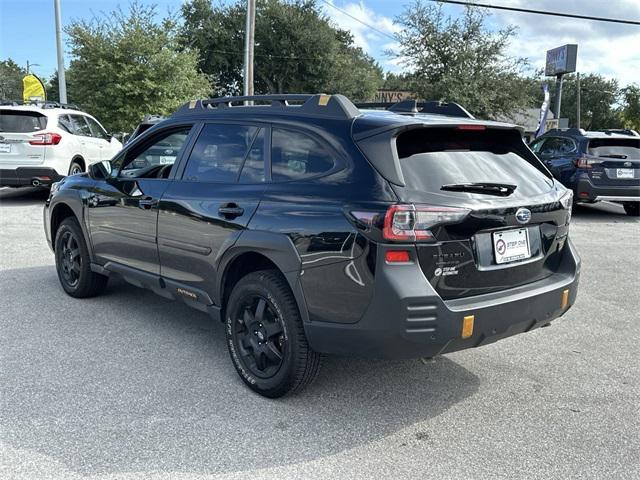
(431, 158)
(219, 153)
(621, 148)
(295, 156)
(556, 147)
(16, 121)
(80, 126)
(253, 168)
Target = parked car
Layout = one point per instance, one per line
(309, 226)
(41, 143)
(147, 122)
(596, 165)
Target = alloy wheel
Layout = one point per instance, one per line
(70, 259)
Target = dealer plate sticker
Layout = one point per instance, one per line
(624, 173)
(5, 148)
(511, 245)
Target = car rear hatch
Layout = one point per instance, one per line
(613, 161)
(487, 214)
(18, 144)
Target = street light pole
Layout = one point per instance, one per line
(62, 84)
(249, 39)
(578, 100)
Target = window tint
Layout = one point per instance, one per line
(162, 152)
(253, 168)
(558, 146)
(218, 153)
(15, 121)
(65, 124)
(80, 127)
(622, 148)
(97, 130)
(535, 146)
(295, 155)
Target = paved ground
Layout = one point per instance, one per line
(131, 386)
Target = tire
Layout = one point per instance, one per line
(75, 167)
(266, 338)
(73, 263)
(632, 208)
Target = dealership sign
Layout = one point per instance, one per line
(561, 60)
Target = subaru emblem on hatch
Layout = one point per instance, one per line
(523, 215)
(627, 164)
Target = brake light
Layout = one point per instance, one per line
(46, 139)
(411, 223)
(587, 162)
(471, 127)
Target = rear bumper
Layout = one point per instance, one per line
(585, 191)
(408, 319)
(24, 176)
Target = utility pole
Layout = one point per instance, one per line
(62, 84)
(558, 97)
(249, 40)
(578, 100)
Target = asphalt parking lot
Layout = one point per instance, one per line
(131, 386)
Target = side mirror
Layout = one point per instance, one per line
(100, 170)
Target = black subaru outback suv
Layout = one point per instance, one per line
(309, 226)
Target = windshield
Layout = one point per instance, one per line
(15, 121)
(615, 148)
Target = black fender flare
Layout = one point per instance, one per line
(75, 201)
(278, 248)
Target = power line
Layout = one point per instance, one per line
(326, 2)
(540, 12)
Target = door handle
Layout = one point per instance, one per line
(148, 203)
(230, 210)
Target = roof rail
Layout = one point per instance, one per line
(412, 106)
(619, 131)
(37, 103)
(335, 106)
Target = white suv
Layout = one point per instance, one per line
(40, 144)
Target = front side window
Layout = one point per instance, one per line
(295, 156)
(558, 146)
(96, 129)
(155, 159)
(80, 126)
(219, 153)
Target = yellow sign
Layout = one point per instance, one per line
(33, 89)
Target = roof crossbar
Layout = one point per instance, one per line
(334, 106)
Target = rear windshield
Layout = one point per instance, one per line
(431, 158)
(14, 121)
(615, 148)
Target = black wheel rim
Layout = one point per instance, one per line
(70, 259)
(259, 337)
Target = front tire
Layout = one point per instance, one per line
(632, 208)
(265, 336)
(73, 263)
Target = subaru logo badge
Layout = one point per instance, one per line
(523, 215)
(628, 164)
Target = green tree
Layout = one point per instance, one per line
(630, 111)
(462, 60)
(11, 75)
(297, 49)
(126, 64)
(597, 101)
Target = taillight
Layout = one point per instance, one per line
(411, 223)
(587, 162)
(46, 139)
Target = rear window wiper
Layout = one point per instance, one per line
(614, 155)
(499, 189)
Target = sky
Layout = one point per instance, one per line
(27, 30)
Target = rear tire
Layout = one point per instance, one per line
(265, 336)
(73, 263)
(632, 208)
(75, 168)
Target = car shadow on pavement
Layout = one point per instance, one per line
(601, 212)
(131, 382)
(22, 196)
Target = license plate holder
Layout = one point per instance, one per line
(511, 245)
(625, 173)
(5, 148)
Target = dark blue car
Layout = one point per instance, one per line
(596, 165)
